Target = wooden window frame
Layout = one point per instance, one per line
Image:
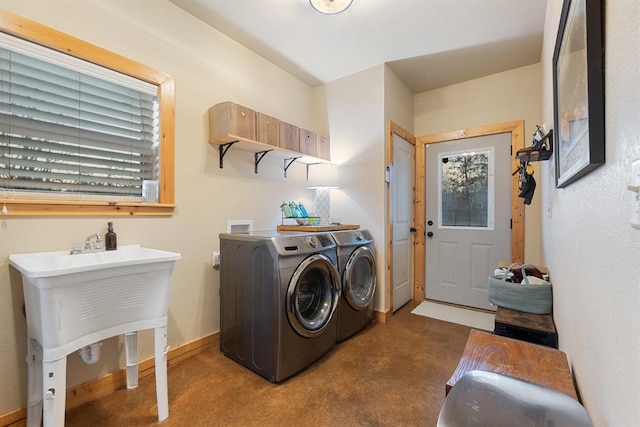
(34, 32)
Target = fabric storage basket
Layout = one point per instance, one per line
(525, 296)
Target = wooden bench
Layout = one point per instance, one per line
(518, 359)
(534, 328)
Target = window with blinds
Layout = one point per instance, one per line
(73, 129)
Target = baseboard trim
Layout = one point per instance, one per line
(113, 381)
(382, 316)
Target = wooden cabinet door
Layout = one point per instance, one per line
(229, 119)
(267, 129)
(289, 137)
(323, 149)
(308, 142)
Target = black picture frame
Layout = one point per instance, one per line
(578, 90)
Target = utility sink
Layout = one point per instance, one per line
(49, 264)
(75, 300)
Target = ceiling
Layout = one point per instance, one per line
(427, 43)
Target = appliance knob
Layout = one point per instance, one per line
(312, 241)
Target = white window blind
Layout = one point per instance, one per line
(69, 126)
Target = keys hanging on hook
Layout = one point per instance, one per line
(522, 176)
(529, 169)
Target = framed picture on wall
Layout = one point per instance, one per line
(578, 90)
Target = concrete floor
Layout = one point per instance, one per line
(391, 374)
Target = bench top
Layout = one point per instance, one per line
(535, 322)
(518, 359)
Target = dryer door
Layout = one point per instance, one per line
(312, 295)
(359, 278)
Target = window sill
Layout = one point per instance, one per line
(85, 208)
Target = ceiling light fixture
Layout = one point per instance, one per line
(330, 6)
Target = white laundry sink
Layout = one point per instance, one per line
(49, 264)
(74, 300)
(71, 298)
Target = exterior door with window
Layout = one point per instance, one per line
(468, 221)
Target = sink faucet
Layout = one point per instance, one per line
(97, 245)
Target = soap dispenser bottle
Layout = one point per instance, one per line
(110, 238)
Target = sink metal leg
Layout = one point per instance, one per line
(161, 350)
(34, 383)
(54, 390)
(131, 358)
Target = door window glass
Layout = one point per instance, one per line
(465, 189)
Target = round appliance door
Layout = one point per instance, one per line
(312, 295)
(359, 278)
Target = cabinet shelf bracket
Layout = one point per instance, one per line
(222, 149)
(258, 157)
(287, 163)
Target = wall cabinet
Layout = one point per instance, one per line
(232, 119)
(323, 149)
(267, 129)
(289, 137)
(233, 126)
(307, 141)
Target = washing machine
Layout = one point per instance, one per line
(357, 268)
(279, 292)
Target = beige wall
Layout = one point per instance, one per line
(398, 101)
(208, 68)
(356, 116)
(588, 243)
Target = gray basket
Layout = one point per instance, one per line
(526, 297)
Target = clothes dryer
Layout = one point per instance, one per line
(357, 268)
(278, 297)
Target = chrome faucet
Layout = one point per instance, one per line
(97, 245)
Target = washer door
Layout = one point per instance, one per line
(359, 278)
(312, 295)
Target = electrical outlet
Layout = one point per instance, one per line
(215, 259)
(634, 186)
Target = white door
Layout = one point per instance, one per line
(468, 217)
(402, 220)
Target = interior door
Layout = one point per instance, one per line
(402, 173)
(468, 217)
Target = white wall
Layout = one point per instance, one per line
(356, 116)
(398, 101)
(588, 244)
(208, 68)
(358, 108)
(503, 97)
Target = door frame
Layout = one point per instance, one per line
(392, 129)
(516, 128)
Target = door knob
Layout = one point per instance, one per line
(430, 234)
(412, 229)
(429, 222)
